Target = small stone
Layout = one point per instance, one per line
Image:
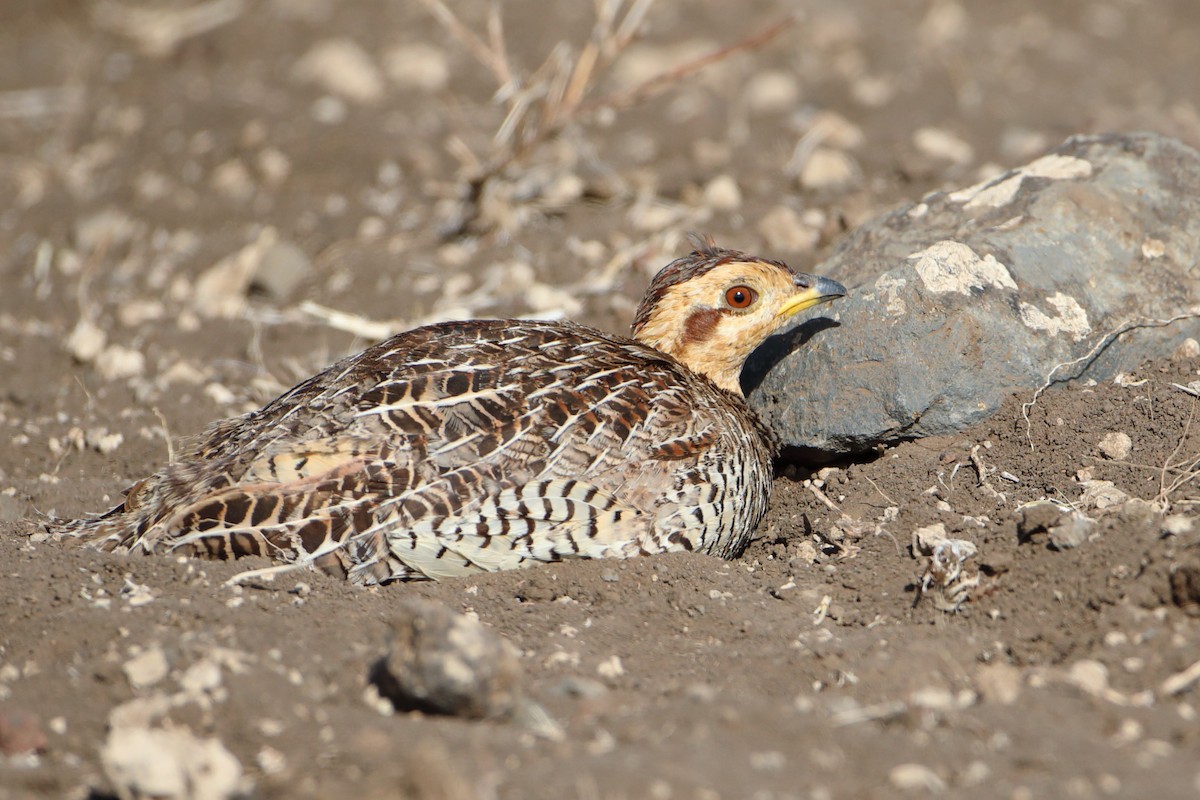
(1116, 446)
(942, 144)
(109, 228)
(87, 341)
(136, 311)
(611, 668)
(1072, 531)
(447, 663)
(916, 778)
(221, 290)
(772, 91)
(273, 165)
(722, 194)
(934, 698)
(103, 442)
(1177, 525)
(147, 668)
(999, 683)
(201, 677)
(343, 67)
(281, 270)
(417, 67)
(20, 733)
(1101, 495)
(829, 169)
(1153, 248)
(1189, 348)
(232, 180)
(171, 764)
(1037, 518)
(119, 363)
(329, 110)
(1089, 675)
(270, 760)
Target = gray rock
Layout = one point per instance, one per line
(442, 662)
(968, 296)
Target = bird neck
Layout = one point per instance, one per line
(697, 345)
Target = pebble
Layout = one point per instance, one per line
(169, 764)
(273, 165)
(1101, 495)
(1089, 675)
(1188, 349)
(108, 228)
(941, 143)
(611, 668)
(772, 91)
(443, 662)
(329, 110)
(232, 180)
(119, 363)
(829, 169)
(916, 778)
(343, 67)
(147, 668)
(270, 760)
(135, 311)
(999, 683)
(417, 67)
(1072, 531)
(722, 194)
(1177, 525)
(1116, 446)
(202, 677)
(20, 733)
(87, 340)
(282, 268)
(103, 442)
(220, 291)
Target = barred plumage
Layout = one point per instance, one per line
(492, 444)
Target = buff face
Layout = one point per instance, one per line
(711, 313)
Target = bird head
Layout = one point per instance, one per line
(712, 308)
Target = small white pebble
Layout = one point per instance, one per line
(86, 341)
(722, 194)
(1089, 675)
(342, 66)
(611, 668)
(417, 66)
(1116, 446)
(941, 143)
(220, 394)
(827, 168)
(916, 778)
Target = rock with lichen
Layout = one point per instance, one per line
(1046, 272)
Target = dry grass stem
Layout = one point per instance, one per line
(559, 93)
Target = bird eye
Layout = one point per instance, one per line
(740, 297)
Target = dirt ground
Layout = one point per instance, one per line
(152, 152)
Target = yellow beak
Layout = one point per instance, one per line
(815, 290)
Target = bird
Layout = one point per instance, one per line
(483, 445)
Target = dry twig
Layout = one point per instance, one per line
(560, 92)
